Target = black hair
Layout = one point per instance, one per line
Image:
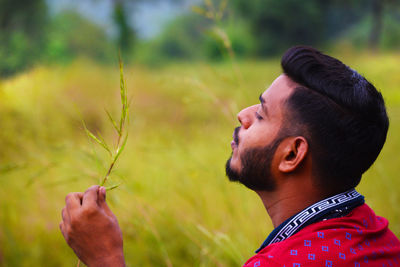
(340, 113)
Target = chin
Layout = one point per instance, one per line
(231, 172)
(234, 162)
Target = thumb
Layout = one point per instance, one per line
(102, 195)
(102, 199)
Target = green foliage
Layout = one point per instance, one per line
(181, 39)
(122, 13)
(70, 35)
(193, 37)
(359, 34)
(281, 24)
(28, 35)
(391, 32)
(239, 37)
(15, 53)
(126, 35)
(22, 27)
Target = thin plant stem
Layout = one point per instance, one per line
(120, 128)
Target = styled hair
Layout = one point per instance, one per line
(341, 114)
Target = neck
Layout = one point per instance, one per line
(288, 200)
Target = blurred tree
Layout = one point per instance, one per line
(391, 31)
(122, 12)
(231, 39)
(71, 35)
(227, 35)
(22, 31)
(378, 10)
(280, 24)
(125, 33)
(374, 21)
(180, 39)
(189, 37)
(377, 18)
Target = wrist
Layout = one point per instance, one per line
(116, 260)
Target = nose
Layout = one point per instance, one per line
(246, 116)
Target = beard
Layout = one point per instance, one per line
(256, 167)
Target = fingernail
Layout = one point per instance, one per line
(102, 190)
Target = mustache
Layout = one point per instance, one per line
(236, 135)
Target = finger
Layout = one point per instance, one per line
(73, 200)
(63, 229)
(102, 200)
(61, 225)
(90, 196)
(65, 215)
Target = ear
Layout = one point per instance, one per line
(293, 153)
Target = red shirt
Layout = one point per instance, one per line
(359, 239)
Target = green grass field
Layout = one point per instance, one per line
(175, 206)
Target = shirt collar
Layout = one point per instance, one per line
(345, 201)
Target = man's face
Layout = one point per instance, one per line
(257, 139)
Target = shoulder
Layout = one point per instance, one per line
(347, 241)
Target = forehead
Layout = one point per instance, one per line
(278, 91)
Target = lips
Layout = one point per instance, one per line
(235, 136)
(233, 145)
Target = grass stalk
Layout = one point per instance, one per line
(120, 128)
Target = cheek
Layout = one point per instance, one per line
(235, 161)
(257, 137)
(261, 133)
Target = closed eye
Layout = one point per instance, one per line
(258, 116)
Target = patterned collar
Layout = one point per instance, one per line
(332, 207)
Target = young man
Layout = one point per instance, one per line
(303, 149)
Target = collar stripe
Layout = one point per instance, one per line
(294, 224)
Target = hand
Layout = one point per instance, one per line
(91, 229)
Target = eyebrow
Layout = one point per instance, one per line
(262, 101)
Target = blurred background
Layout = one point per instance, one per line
(158, 31)
(190, 66)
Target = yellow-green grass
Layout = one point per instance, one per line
(175, 206)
